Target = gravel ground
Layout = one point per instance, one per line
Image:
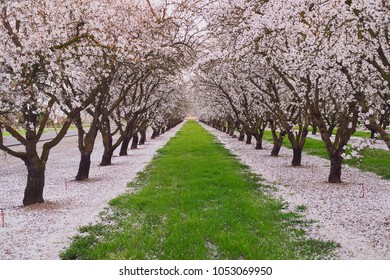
(355, 213)
(41, 231)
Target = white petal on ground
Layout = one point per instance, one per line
(41, 231)
(356, 216)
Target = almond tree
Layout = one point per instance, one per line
(116, 35)
(320, 63)
(302, 50)
(36, 69)
(373, 53)
(320, 43)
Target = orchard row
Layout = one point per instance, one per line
(120, 66)
(108, 67)
(292, 65)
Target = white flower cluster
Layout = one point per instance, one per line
(290, 59)
(354, 150)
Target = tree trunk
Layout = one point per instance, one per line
(330, 129)
(259, 138)
(276, 148)
(242, 136)
(278, 141)
(143, 137)
(259, 144)
(382, 132)
(249, 138)
(107, 157)
(124, 146)
(232, 130)
(259, 141)
(314, 131)
(335, 168)
(84, 167)
(373, 134)
(108, 149)
(134, 143)
(35, 184)
(154, 134)
(86, 142)
(297, 157)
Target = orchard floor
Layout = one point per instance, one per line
(355, 213)
(41, 231)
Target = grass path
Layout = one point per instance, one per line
(48, 129)
(358, 133)
(196, 201)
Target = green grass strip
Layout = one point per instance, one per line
(358, 133)
(374, 160)
(196, 201)
(48, 129)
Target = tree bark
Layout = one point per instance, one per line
(248, 138)
(107, 157)
(372, 134)
(155, 133)
(84, 167)
(297, 141)
(86, 143)
(276, 148)
(108, 151)
(314, 131)
(259, 139)
(335, 168)
(297, 157)
(242, 136)
(330, 129)
(232, 130)
(142, 140)
(134, 143)
(278, 142)
(35, 183)
(259, 143)
(124, 146)
(382, 132)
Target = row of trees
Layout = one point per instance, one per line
(286, 65)
(294, 64)
(118, 62)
